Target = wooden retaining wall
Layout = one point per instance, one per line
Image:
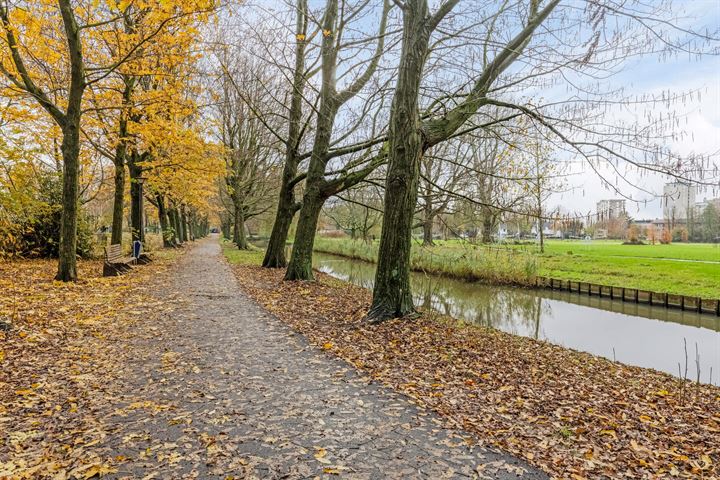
(667, 300)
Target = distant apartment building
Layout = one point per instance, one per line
(607, 210)
(678, 202)
(701, 206)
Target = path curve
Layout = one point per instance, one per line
(231, 392)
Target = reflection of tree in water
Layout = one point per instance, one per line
(510, 309)
(356, 272)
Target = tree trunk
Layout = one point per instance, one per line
(119, 194)
(165, 230)
(175, 218)
(184, 225)
(239, 237)
(275, 252)
(119, 161)
(300, 267)
(173, 223)
(178, 226)
(487, 227)
(428, 231)
(392, 296)
(225, 226)
(67, 265)
(136, 203)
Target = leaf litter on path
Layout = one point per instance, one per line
(570, 413)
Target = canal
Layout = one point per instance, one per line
(635, 334)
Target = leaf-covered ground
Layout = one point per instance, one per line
(570, 413)
(57, 370)
(170, 372)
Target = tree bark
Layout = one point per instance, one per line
(119, 195)
(175, 220)
(487, 227)
(184, 225)
(428, 233)
(428, 219)
(67, 265)
(300, 267)
(275, 252)
(239, 237)
(225, 226)
(136, 217)
(119, 162)
(166, 231)
(392, 296)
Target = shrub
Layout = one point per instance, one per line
(665, 237)
(30, 220)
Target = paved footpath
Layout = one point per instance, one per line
(219, 388)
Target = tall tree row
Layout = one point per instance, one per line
(71, 59)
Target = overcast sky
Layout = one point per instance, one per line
(702, 126)
(700, 118)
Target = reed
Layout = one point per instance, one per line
(488, 264)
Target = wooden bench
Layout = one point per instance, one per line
(115, 263)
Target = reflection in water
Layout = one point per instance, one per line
(635, 334)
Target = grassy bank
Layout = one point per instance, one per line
(675, 268)
(494, 265)
(562, 410)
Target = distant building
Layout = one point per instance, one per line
(678, 202)
(701, 206)
(608, 210)
(658, 225)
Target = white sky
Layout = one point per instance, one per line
(702, 124)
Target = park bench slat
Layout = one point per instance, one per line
(115, 262)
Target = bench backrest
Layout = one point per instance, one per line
(113, 252)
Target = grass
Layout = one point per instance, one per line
(495, 265)
(254, 256)
(674, 268)
(611, 248)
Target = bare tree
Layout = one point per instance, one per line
(428, 109)
(317, 187)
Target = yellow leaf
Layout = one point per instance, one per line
(327, 346)
(98, 470)
(331, 471)
(320, 455)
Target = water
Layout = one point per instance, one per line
(634, 334)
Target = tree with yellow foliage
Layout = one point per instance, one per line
(53, 51)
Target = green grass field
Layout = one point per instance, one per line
(676, 268)
(245, 257)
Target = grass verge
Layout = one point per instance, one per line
(601, 263)
(498, 265)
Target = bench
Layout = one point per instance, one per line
(115, 263)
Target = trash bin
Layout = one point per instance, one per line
(137, 248)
